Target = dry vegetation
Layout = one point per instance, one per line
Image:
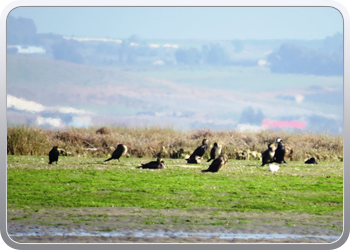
(149, 141)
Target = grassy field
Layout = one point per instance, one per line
(243, 186)
(34, 72)
(236, 78)
(83, 193)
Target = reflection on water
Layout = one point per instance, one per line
(169, 234)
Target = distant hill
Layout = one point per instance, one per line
(182, 96)
(53, 82)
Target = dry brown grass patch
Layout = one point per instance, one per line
(149, 141)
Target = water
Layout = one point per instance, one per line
(172, 234)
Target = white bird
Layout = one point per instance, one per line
(274, 167)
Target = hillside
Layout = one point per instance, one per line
(180, 96)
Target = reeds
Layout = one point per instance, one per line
(22, 140)
(149, 141)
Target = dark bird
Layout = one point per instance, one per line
(280, 151)
(196, 160)
(159, 164)
(53, 155)
(268, 154)
(120, 151)
(215, 151)
(312, 160)
(217, 164)
(199, 151)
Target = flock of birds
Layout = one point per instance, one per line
(275, 153)
(219, 161)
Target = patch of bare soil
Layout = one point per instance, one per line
(135, 225)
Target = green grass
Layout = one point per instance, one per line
(242, 186)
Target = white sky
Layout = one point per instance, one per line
(225, 23)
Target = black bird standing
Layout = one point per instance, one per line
(215, 152)
(217, 164)
(53, 155)
(159, 164)
(120, 151)
(199, 151)
(280, 151)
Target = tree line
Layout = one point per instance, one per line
(290, 58)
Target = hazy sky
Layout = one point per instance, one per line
(186, 22)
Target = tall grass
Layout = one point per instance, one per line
(148, 142)
(23, 140)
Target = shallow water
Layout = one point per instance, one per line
(170, 234)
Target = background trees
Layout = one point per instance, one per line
(322, 57)
(297, 59)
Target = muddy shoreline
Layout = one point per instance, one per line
(135, 225)
(194, 240)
